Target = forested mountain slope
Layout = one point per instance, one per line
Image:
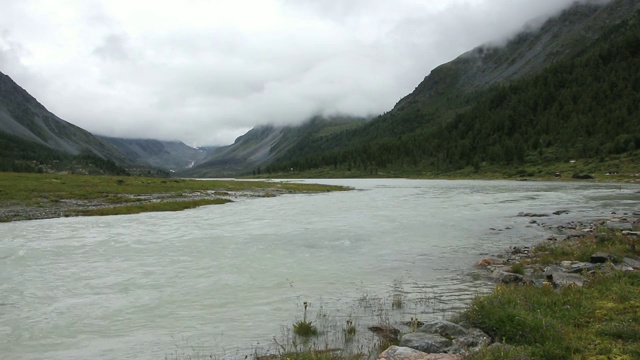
(567, 90)
(261, 145)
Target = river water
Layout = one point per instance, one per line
(227, 279)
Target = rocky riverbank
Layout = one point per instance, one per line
(570, 258)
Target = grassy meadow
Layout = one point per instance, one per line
(112, 195)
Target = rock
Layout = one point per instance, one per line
(443, 328)
(560, 212)
(474, 340)
(600, 258)
(510, 278)
(552, 269)
(528, 214)
(631, 233)
(385, 332)
(579, 267)
(489, 261)
(506, 277)
(563, 279)
(565, 264)
(537, 282)
(429, 343)
(405, 353)
(614, 225)
(631, 262)
(624, 267)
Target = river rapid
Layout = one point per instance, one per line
(226, 279)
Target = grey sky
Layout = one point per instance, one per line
(205, 72)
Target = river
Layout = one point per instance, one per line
(226, 279)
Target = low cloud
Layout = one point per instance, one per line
(206, 72)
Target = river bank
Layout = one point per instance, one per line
(574, 296)
(46, 196)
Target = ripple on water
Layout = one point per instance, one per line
(221, 279)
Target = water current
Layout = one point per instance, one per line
(225, 280)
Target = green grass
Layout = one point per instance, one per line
(132, 195)
(153, 207)
(305, 328)
(518, 268)
(600, 320)
(581, 249)
(27, 187)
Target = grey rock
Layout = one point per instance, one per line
(507, 277)
(632, 262)
(614, 225)
(600, 258)
(552, 269)
(406, 353)
(529, 214)
(429, 343)
(443, 328)
(624, 267)
(580, 267)
(564, 279)
(631, 233)
(474, 340)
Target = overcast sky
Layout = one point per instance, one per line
(206, 71)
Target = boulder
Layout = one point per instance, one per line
(429, 343)
(600, 258)
(405, 353)
(562, 279)
(552, 269)
(507, 277)
(631, 233)
(577, 267)
(614, 225)
(632, 262)
(474, 340)
(624, 267)
(443, 328)
(510, 278)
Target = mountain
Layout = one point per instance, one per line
(34, 139)
(568, 89)
(263, 144)
(23, 116)
(168, 155)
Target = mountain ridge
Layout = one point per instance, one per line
(402, 140)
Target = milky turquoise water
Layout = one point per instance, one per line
(226, 279)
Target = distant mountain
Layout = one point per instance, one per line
(261, 145)
(568, 89)
(23, 116)
(168, 155)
